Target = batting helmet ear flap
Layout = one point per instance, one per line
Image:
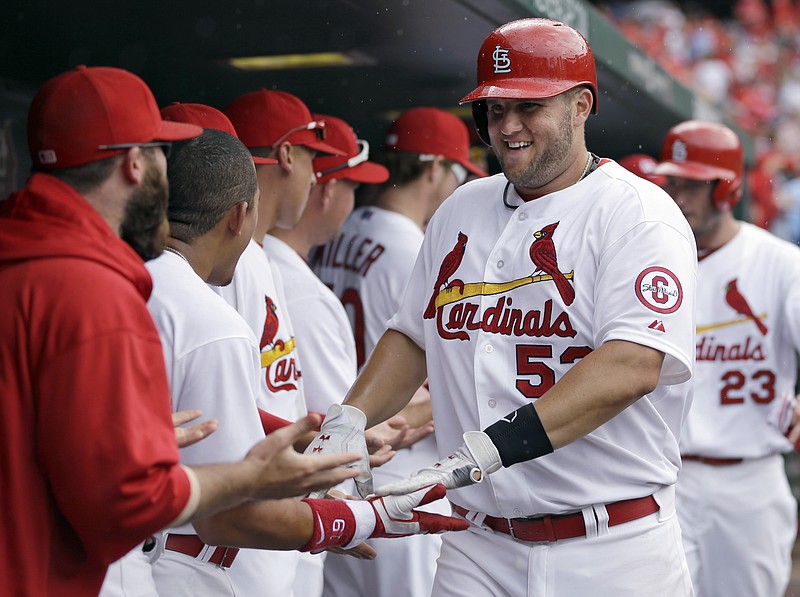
(727, 193)
(480, 114)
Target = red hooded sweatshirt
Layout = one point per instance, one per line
(88, 458)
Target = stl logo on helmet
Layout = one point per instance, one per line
(502, 62)
(679, 151)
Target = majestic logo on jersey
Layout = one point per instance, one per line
(736, 300)
(543, 255)
(659, 290)
(679, 151)
(280, 372)
(657, 325)
(502, 62)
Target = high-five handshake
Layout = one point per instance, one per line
(343, 431)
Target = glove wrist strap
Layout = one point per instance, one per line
(520, 436)
(339, 523)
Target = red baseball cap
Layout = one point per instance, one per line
(431, 131)
(353, 165)
(206, 117)
(643, 166)
(265, 118)
(78, 112)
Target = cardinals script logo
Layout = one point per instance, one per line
(502, 318)
(280, 372)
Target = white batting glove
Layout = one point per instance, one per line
(395, 515)
(343, 431)
(466, 466)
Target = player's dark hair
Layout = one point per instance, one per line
(207, 176)
(403, 167)
(262, 152)
(87, 177)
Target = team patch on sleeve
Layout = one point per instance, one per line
(659, 290)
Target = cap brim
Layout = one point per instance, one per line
(515, 89)
(177, 131)
(472, 168)
(262, 161)
(322, 148)
(693, 171)
(366, 172)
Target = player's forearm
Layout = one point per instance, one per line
(218, 487)
(389, 379)
(597, 389)
(417, 414)
(273, 524)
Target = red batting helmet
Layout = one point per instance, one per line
(530, 59)
(705, 151)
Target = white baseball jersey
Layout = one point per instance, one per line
(368, 268)
(739, 520)
(748, 332)
(212, 364)
(326, 347)
(256, 292)
(617, 262)
(325, 340)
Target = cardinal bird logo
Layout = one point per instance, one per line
(450, 264)
(736, 300)
(543, 255)
(270, 325)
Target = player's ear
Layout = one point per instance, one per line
(326, 196)
(284, 156)
(584, 100)
(235, 217)
(134, 165)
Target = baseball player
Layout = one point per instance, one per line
(368, 266)
(212, 361)
(278, 125)
(89, 463)
(552, 307)
(737, 512)
(325, 340)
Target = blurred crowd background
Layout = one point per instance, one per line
(746, 60)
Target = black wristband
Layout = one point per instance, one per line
(519, 436)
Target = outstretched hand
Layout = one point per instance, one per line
(468, 465)
(187, 436)
(282, 472)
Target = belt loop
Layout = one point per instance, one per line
(228, 554)
(206, 553)
(589, 521)
(601, 514)
(548, 528)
